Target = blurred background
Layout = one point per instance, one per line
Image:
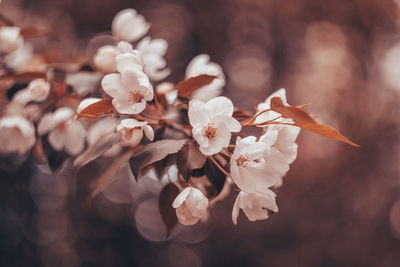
(339, 205)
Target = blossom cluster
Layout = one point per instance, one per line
(123, 109)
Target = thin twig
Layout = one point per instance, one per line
(219, 166)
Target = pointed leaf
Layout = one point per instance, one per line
(306, 121)
(97, 149)
(154, 152)
(214, 175)
(168, 213)
(187, 87)
(109, 174)
(97, 109)
(189, 158)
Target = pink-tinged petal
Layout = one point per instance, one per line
(46, 124)
(235, 210)
(197, 113)
(198, 135)
(75, 138)
(269, 138)
(149, 132)
(57, 139)
(181, 197)
(125, 47)
(124, 106)
(231, 123)
(129, 61)
(62, 115)
(104, 59)
(112, 85)
(131, 123)
(220, 105)
(129, 26)
(23, 97)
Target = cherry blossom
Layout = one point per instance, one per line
(255, 205)
(191, 206)
(132, 131)
(212, 123)
(201, 65)
(129, 26)
(10, 39)
(38, 90)
(64, 132)
(130, 90)
(248, 166)
(105, 58)
(17, 135)
(283, 148)
(153, 52)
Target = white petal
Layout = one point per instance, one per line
(75, 138)
(181, 197)
(235, 211)
(129, 26)
(129, 61)
(220, 105)
(112, 85)
(149, 132)
(46, 124)
(104, 59)
(122, 105)
(197, 113)
(57, 139)
(131, 123)
(23, 97)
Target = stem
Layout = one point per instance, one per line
(219, 166)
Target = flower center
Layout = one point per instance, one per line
(209, 130)
(243, 160)
(135, 97)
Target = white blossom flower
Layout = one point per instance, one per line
(212, 123)
(129, 26)
(153, 52)
(132, 131)
(104, 59)
(283, 148)
(201, 65)
(64, 132)
(191, 206)
(271, 115)
(17, 135)
(38, 90)
(10, 39)
(248, 166)
(255, 205)
(130, 90)
(22, 59)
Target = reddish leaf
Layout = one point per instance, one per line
(306, 121)
(97, 109)
(189, 158)
(33, 32)
(186, 87)
(168, 214)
